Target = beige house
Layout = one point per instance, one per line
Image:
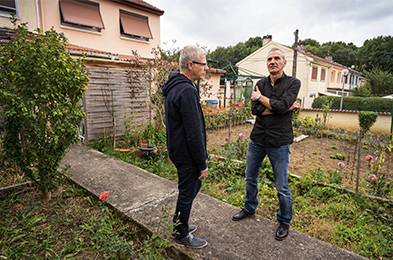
(110, 33)
(115, 26)
(318, 76)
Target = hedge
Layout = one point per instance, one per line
(375, 104)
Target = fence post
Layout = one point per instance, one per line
(391, 124)
(359, 150)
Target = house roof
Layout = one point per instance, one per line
(79, 50)
(315, 58)
(141, 5)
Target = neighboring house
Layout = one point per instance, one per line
(110, 33)
(318, 76)
(210, 86)
(116, 37)
(115, 26)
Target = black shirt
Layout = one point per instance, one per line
(275, 130)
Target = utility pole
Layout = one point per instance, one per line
(295, 53)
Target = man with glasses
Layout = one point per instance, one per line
(186, 138)
(272, 102)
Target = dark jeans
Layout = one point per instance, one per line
(189, 186)
(279, 158)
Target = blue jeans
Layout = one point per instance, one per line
(279, 158)
(189, 186)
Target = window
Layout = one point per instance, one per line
(135, 26)
(323, 74)
(332, 76)
(81, 14)
(8, 6)
(314, 72)
(338, 77)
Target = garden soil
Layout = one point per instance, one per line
(312, 153)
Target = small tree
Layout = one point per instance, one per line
(41, 86)
(366, 121)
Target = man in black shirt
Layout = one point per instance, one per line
(273, 101)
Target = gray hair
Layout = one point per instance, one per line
(277, 49)
(190, 53)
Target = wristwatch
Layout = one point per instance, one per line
(257, 97)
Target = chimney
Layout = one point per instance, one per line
(329, 57)
(266, 39)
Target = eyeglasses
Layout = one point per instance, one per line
(200, 63)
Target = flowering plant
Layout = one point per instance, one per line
(104, 195)
(376, 178)
(235, 149)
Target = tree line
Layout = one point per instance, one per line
(374, 59)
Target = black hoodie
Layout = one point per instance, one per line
(185, 124)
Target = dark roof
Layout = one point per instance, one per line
(141, 5)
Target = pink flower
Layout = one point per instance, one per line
(340, 165)
(104, 195)
(241, 135)
(226, 139)
(369, 158)
(372, 177)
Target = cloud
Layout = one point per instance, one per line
(225, 23)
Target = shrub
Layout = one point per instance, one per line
(367, 119)
(375, 104)
(41, 86)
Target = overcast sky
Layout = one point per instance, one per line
(214, 23)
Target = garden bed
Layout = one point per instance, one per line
(312, 153)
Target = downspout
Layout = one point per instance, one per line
(38, 14)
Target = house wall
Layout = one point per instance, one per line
(27, 13)
(349, 120)
(257, 62)
(108, 39)
(212, 81)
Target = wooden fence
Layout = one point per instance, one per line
(117, 92)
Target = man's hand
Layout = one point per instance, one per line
(295, 105)
(203, 174)
(255, 94)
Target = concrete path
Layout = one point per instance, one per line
(141, 196)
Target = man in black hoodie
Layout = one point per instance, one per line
(186, 138)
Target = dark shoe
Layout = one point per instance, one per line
(191, 241)
(242, 214)
(192, 228)
(282, 231)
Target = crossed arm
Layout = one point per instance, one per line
(266, 102)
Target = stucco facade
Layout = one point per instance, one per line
(47, 14)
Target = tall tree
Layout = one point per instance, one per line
(379, 82)
(377, 52)
(227, 57)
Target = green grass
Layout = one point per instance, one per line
(350, 221)
(73, 225)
